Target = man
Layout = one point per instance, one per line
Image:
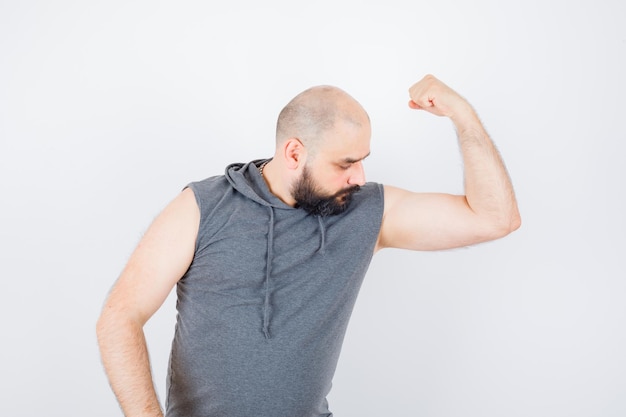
(268, 260)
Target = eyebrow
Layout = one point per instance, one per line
(349, 160)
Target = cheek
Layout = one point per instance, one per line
(332, 180)
(340, 182)
(331, 184)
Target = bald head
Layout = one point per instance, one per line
(315, 112)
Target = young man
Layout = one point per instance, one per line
(268, 260)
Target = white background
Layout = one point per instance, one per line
(107, 109)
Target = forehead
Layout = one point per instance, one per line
(347, 141)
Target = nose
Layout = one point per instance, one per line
(357, 176)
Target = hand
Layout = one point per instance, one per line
(435, 97)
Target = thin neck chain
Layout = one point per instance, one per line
(263, 166)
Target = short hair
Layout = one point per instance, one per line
(315, 111)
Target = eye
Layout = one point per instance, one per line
(345, 167)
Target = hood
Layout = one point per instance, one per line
(246, 179)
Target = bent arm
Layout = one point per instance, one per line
(159, 261)
(431, 221)
(488, 188)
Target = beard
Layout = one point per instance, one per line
(309, 197)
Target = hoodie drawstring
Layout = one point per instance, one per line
(322, 235)
(268, 270)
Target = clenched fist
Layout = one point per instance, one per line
(433, 96)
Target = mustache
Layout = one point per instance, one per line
(337, 203)
(347, 191)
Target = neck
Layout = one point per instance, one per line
(276, 181)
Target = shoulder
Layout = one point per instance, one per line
(208, 190)
(371, 191)
(208, 184)
(368, 202)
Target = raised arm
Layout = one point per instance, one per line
(159, 261)
(431, 221)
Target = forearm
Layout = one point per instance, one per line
(125, 359)
(488, 187)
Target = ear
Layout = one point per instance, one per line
(294, 153)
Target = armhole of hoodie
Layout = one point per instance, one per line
(380, 206)
(193, 187)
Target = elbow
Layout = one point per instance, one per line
(113, 322)
(507, 225)
(514, 219)
(101, 332)
(498, 226)
(515, 223)
(103, 327)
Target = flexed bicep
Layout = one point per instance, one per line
(430, 221)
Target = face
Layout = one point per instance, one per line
(328, 181)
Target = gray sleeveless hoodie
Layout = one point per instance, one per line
(263, 308)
